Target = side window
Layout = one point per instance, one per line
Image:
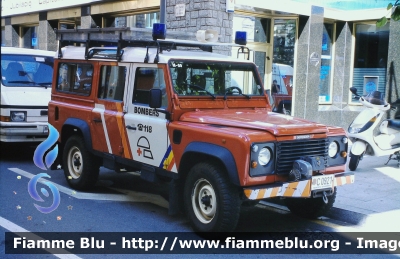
(147, 78)
(75, 78)
(112, 83)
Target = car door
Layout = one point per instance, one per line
(107, 115)
(146, 127)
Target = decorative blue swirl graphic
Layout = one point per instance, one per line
(33, 193)
(38, 156)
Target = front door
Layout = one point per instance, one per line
(146, 127)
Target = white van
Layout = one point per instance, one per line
(26, 78)
(283, 74)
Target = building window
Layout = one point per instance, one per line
(370, 59)
(326, 64)
(283, 54)
(29, 37)
(69, 24)
(258, 29)
(136, 21)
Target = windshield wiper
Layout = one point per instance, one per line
(202, 89)
(229, 90)
(20, 82)
(45, 85)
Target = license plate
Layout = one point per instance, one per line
(322, 182)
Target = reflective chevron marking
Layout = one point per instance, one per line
(293, 189)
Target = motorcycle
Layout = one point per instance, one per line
(361, 130)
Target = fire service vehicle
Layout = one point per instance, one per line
(174, 110)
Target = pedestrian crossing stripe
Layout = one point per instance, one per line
(300, 189)
(342, 180)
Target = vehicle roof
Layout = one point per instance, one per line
(137, 55)
(25, 51)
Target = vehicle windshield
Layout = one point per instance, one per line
(26, 70)
(212, 78)
(375, 97)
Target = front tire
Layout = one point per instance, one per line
(354, 160)
(212, 203)
(81, 168)
(310, 208)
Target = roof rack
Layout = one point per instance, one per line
(128, 37)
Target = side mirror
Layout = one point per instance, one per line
(155, 99)
(353, 90)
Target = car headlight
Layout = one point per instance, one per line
(333, 149)
(264, 156)
(18, 116)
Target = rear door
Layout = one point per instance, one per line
(107, 115)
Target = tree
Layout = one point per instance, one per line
(395, 14)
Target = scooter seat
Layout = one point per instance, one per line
(394, 124)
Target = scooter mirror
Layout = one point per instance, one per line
(353, 90)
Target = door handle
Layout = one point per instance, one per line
(131, 127)
(97, 120)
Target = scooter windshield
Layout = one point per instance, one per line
(375, 98)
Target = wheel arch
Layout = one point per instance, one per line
(77, 126)
(197, 152)
(70, 127)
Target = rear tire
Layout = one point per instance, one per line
(212, 203)
(354, 160)
(310, 208)
(81, 168)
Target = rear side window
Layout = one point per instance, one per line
(75, 78)
(26, 70)
(112, 83)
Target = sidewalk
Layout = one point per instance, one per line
(374, 196)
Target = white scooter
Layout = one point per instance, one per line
(361, 130)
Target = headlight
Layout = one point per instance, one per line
(264, 156)
(18, 116)
(354, 130)
(333, 149)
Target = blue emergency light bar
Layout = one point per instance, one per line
(241, 37)
(159, 31)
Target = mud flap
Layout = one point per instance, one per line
(175, 197)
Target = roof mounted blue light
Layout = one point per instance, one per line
(241, 37)
(159, 31)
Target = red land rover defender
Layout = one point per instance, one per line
(174, 111)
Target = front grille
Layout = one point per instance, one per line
(288, 152)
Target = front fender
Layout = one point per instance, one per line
(222, 154)
(84, 129)
(358, 147)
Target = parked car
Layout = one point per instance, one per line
(26, 77)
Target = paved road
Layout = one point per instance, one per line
(371, 204)
(375, 195)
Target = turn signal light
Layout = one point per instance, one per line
(343, 154)
(5, 118)
(253, 164)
